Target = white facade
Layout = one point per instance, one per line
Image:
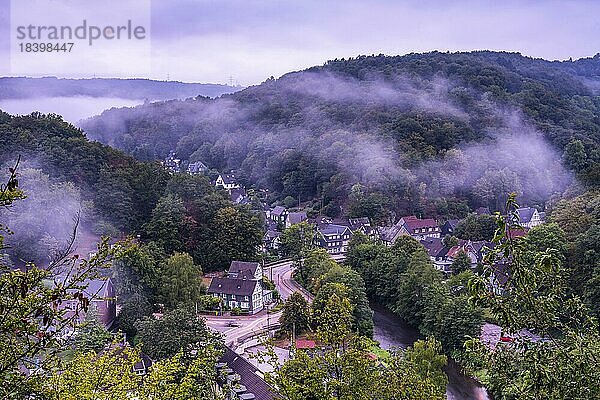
(226, 183)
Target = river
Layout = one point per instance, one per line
(390, 332)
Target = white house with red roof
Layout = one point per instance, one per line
(419, 229)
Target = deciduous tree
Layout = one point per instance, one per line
(177, 330)
(296, 314)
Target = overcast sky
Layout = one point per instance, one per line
(210, 40)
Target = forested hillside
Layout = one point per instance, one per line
(65, 175)
(426, 133)
(22, 87)
(435, 135)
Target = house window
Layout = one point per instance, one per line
(244, 305)
(245, 298)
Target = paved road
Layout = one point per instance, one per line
(388, 330)
(281, 275)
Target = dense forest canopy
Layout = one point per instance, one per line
(69, 178)
(429, 132)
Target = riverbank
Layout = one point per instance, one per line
(391, 332)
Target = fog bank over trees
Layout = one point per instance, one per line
(414, 128)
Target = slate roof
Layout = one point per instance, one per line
(143, 364)
(96, 289)
(278, 210)
(452, 223)
(245, 268)
(243, 287)
(449, 226)
(237, 193)
(435, 247)
(296, 217)
(388, 233)
(250, 376)
(525, 214)
(333, 229)
(197, 167)
(228, 179)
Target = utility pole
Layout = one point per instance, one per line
(268, 324)
(262, 286)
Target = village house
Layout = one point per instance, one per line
(517, 233)
(271, 240)
(238, 195)
(197, 168)
(389, 234)
(449, 227)
(437, 252)
(362, 225)
(419, 228)
(245, 270)
(278, 214)
(499, 276)
(238, 293)
(142, 367)
(227, 182)
(242, 288)
(463, 247)
(443, 256)
(102, 296)
(241, 378)
(172, 163)
(333, 238)
(530, 217)
(293, 218)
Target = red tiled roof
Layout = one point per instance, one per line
(454, 251)
(305, 344)
(517, 233)
(413, 223)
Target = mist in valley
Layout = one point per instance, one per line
(73, 109)
(351, 131)
(43, 224)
